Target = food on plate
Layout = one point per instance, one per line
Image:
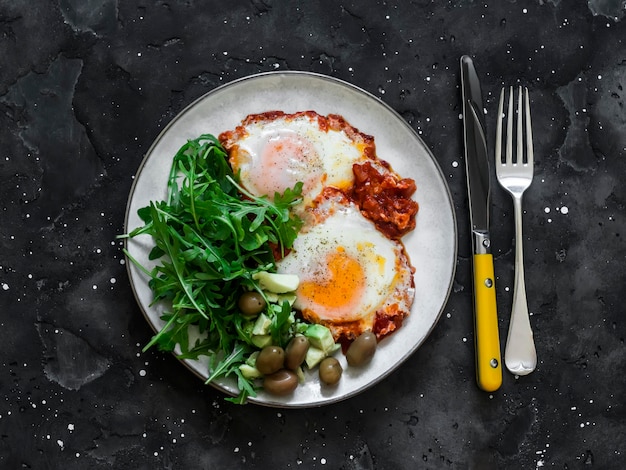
(296, 352)
(277, 244)
(251, 303)
(273, 151)
(282, 382)
(385, 198)
(210, 243)
(270, 359)
(330, 371)
(352, 277)
(354, 273)
(362, 349)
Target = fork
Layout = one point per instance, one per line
(515, 174)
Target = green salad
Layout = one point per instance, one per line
(215, 246)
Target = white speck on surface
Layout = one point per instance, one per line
(70, 427)
(142, 373)
(455, 164)
(564, 210)
(60, 443)
(547, 210)
(5, 286)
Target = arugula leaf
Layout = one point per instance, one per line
(245, 386)
(219, 367)
(279, 326)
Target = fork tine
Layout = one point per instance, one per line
(509, 130)
(529, 133)
(499, 130)
(519, 155)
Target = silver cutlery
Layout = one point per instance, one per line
(515, 174)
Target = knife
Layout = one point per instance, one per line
(486, 336)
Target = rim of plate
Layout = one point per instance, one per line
(336, 81)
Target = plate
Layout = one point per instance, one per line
(431, 246)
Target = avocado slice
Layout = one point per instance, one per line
(276, 283)
(320, 337)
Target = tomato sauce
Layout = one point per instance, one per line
(385, 199)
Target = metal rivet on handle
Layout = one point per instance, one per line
(493, 363)
(489, 282)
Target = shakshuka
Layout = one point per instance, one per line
(355, 274)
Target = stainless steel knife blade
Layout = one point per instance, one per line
(476, 158)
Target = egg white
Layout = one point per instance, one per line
(337, 225)
(274, 154)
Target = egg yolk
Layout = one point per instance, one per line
(286, 159)
(339, 287)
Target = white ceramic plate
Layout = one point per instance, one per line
(431, 246)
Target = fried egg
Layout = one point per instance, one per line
(352, 277)
(273, 151)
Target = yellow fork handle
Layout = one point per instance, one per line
(486, 336)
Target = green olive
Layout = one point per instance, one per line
(330, 371)
(362, 349)
(270, 359)
(281, 382)
(251, 303)
(296, 352)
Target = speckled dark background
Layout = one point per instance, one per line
(86, 86)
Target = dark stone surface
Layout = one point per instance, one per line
(86, 86)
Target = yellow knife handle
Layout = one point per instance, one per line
(486, 336)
